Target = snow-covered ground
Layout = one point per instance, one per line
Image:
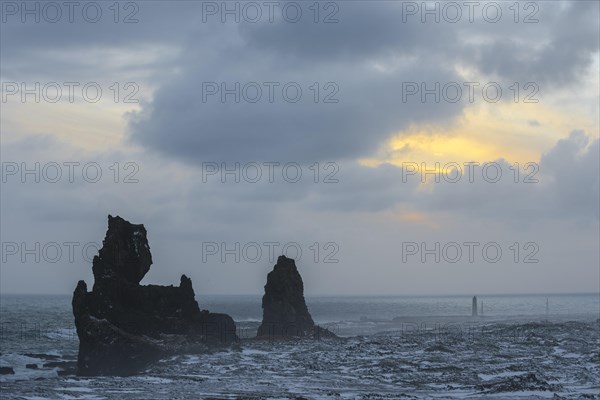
(502, 360)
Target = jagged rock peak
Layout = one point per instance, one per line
(125, 253)
(123, 326)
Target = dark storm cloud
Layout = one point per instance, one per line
(368, 54)
(369, 106)
(364, 30)
(370, 109)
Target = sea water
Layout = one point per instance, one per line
(391, 347)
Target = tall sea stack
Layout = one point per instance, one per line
(474, 308)
(123, 326)
(284, 309)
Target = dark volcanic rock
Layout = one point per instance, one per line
(284, 309)
(125, 254)
(44, 356)
(7, 371)
(31, 366)
(123, 326)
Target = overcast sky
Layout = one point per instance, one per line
(361, 98)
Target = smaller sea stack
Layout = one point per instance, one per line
(284, 309)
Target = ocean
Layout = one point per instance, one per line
(418, 347)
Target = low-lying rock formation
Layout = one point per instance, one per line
(123, 326)
(284, 309)
(7, 371)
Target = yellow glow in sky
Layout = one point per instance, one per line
(516, 132)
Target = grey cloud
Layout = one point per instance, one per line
(554, 52)
(370, 109)
(363, 30)
(567, 187)
(80, 50)
(573, 166)
(365, 189)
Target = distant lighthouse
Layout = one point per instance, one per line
(474, 312)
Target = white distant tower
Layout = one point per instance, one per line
(474, 309)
